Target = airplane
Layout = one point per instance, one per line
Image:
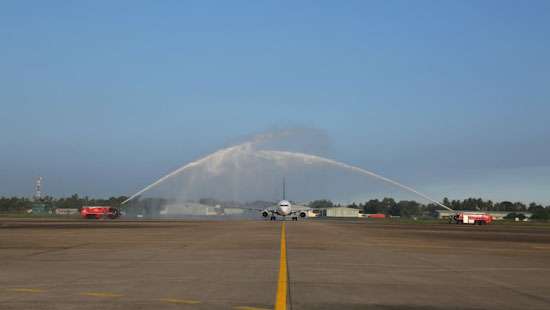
(284, 208)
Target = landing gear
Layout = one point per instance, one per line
(294, 218)
(272, 218)
(114, 214)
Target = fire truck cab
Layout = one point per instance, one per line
(471, 218)
(98, 212)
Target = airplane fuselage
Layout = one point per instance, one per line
(284, 208)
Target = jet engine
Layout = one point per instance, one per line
(303, 214)
(265, 214)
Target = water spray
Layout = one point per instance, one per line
(356, 169)
(248, 148)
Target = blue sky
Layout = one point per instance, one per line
(102, 98)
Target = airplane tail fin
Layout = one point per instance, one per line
(284, 188)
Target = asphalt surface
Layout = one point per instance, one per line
(332, 264)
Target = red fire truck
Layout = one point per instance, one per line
(375, 216)
(97, 212)
(471, 218)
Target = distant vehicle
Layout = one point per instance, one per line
(471, 218)
(98, 212)
(375, 215)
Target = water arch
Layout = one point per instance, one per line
(245, 173)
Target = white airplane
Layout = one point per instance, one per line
(284, 208)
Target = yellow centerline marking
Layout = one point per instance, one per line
(280, 300)
(180, 301)
(282, 286)
(27, 290)
(100, 294)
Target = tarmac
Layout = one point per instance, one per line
(331, 264)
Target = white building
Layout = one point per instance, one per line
(340, 212)
(66, 211)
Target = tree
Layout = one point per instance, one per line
(320, 204)
(533, 207)
(373, 206)
(409, 208)
(540, 213)
(388, 202)
(513, 216)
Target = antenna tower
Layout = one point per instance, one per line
(38, 189)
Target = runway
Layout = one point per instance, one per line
(331, 264)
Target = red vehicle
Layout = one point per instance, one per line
(376, 216)
(471, 218)
(97, 212)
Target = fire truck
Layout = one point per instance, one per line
(471, 218)
(97, 212)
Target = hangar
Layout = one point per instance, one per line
(339, 212)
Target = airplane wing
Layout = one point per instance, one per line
(251, 209)
(271, 210)
(298, 209)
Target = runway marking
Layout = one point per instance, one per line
(100, 294)
(282, 286)
(249, 308)
(27, 290)
(180, 301)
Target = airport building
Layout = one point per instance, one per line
(66, 211)
(339, 212)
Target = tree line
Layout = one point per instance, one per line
(411, 208)
(388, 206)
(20, 204)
